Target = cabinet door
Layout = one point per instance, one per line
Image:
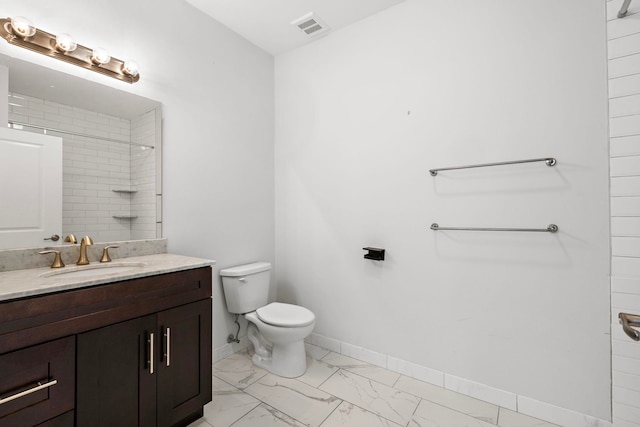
(184, 369)
(116, 381)
(37, 383)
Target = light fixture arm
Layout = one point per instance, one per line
(45, 43)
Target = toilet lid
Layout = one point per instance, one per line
(285, 315)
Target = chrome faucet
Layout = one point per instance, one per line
(86, 241)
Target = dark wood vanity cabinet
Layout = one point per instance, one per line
(130, 353)
(37, 383)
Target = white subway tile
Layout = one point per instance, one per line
(623, 86)
(624, 46)
(617, 28)
(627, 300)
(629, 381)
(627, 365)
(41, 106)
(625, 226)
(624, 66)
(623, 423)
(625, 246)
(621, 266)
(627, 285)
(612, 8)
(625, 186)
(43, 123)
(625, 126)
(625, 166)
(626, 413)
(58, 118)
(624, 106)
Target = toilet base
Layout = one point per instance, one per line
(287, 360)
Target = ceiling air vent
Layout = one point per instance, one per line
(311, 25)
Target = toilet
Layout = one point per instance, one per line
(276, 330)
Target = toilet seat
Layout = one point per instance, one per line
(285, 315)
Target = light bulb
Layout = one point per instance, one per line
(130, 68)
(22, 26)
(65, 43)
(100, 56)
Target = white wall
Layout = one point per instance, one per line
(216, 91)
(624, 131)
(361, 116)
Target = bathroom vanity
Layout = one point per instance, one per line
(106, 348)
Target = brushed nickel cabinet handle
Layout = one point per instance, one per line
(38, 387)
(150, 360)
(167, 354)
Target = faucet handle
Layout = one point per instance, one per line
(71, 238)
(57, 262)
(105, 253)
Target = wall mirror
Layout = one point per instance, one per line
(111, 139)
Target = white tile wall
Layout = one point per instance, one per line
(624, 112)
(143, 176)
(93, 168)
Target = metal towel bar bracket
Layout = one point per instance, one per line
(549, 161)
(627, 320)
(551, 228)
(624, 9)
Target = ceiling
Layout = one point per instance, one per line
(267, 23)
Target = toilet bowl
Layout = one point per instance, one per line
(276, 330)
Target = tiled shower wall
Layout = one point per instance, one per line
(93, 168)
(624, 132)
(143, 176)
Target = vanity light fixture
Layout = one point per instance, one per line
(21, 32)
(100, 56)
(65, 43)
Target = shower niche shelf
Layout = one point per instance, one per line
(124, 190)
(125, 216)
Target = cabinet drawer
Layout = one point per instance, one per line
(37, 383)
(64, 420)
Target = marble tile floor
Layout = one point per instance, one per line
(338, 391)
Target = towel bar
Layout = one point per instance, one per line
(549, 161)
(551, 228)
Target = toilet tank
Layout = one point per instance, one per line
(246, 287)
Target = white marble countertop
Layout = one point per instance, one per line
(38, 281)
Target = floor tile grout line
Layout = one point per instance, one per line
(365, 409)
(415, 410)
(236, 421)
(420, 399)
(327, 379)
(334, 410)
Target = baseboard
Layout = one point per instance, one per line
(505, 399)
(525, 405)
(229, 349)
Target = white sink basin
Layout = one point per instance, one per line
(92, 270)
